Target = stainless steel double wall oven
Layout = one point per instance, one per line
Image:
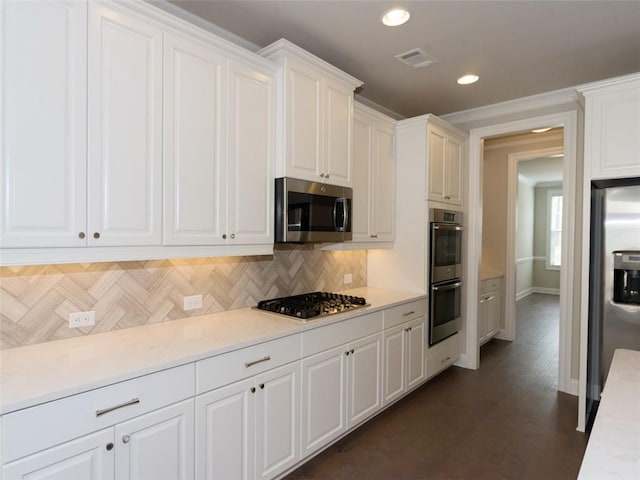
(445, 273)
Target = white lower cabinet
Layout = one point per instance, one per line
(489, 309)
(340, 388)
(442, 355)
(136, 429)
(249, 429)
(85, 458)
(403, 358)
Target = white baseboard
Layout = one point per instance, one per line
(572, 388)
(529, 291)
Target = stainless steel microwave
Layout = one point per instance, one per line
(311, 212)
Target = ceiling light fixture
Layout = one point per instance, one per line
(395, 17)
(468, 79)
(541, 130)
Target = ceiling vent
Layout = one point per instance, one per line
(416, 58)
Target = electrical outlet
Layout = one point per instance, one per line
(82, 319)
(193, 302)
(348, 278)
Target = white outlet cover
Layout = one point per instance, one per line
(82, 319)
(348, 278)
(193, 302)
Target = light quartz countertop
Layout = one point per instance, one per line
(48, 371)
(489, 274)
(613, 451)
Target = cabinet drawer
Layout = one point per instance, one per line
(329, 336)
(490, 284)
(36, 428)
(405, 312)
(442, 355)
(223, 369)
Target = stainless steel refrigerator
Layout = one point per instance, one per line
(614, 301)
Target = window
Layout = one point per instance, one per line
(554, 229)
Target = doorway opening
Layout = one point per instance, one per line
(567, 123)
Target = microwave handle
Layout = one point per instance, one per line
(345, 217)
(454, 228)
(340, 228)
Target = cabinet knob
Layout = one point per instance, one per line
(233, 235)
(224, 236)
(253, 389)
(81, 235)
(96, 235)
(347, 353)
(351, 351)
(125, 439)
(261, 386)
(109, 446)
(322, 175)
(326, 176)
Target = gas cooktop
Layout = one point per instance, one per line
(311, 305)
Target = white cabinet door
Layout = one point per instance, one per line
(87, 458)
(493, 313)
(415, 336)
(482, 319)
(43, 84)
(337, 163)
(158, 445)
(323, 399)
(124, 128)
(251, 155)
(277, 420)
(394, 363)
(225, 431)
(384, 181)
(454, 170)
(362, 172)
(436, 140)
(373, 178)
(612, 129)
(364, 378)
(194, 176)
(304, 122)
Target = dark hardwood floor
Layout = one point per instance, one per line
(505, 420)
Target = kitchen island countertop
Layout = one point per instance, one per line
(39, 373)
(613, 451)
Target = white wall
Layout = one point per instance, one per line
(524, 239)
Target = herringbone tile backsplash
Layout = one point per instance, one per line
(35, 301)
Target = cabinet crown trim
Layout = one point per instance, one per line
(596, 87)
(278, 49)
(431, 119)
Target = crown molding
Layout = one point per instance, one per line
(542, 100)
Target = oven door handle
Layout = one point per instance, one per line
(446, 287)
(449, 228)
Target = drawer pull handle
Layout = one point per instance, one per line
(255, 362)
(446, 360)
(133, 401)
(408, 313)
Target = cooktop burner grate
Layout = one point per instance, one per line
(310, 305)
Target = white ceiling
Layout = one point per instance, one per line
(518, 47)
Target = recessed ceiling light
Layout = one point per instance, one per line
(468, 79)
(395, 17)
(541, 130)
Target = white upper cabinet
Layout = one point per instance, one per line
(612, 127)
(315, 116)
(444, 163)
(43, 85)
(251, 119)
(194, 187)
(374, 176)
(218, 147)
(125, 128)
